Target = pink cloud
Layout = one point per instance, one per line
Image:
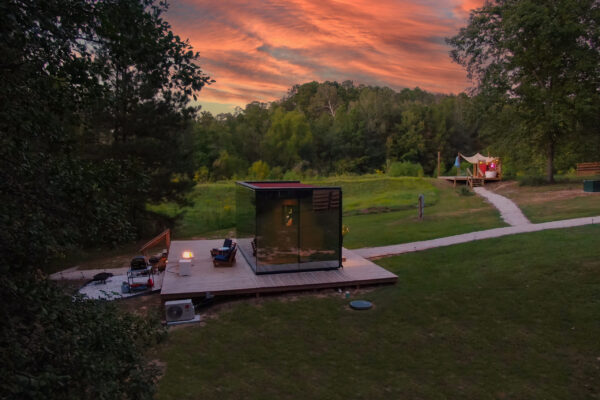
(257, 50)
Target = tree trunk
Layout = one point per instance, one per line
(550, 162)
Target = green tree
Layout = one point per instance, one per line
(228, 165)
(541, 57)
(259, 170)
(288, 140)
(69, 178)
(147, 77)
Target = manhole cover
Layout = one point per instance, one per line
(361, 304)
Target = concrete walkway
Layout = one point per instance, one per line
(371, 252)
(509, 211)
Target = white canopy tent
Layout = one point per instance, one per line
(475, 159)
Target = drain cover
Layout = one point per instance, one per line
(361, 304)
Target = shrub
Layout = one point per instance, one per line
(201, 175)
(405, 168)
(292, 175)
(276, 173)
(56, 346)
(464, 191)
(259, 170)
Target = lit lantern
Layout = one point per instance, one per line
(187, 255)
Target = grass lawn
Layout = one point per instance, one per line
(369, 194)
(514, 318)
(551, 202)
(211, 211)
(451, 214)
(379, 210)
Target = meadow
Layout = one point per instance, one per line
(514, 317)
(379, 210)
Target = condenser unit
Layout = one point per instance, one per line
(179, 310)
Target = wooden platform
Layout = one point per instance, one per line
(240, 279)
(464, 179)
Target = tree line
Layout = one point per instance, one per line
(334, 128)
(535, 102)
(342, 128)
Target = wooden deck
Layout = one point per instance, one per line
(240, 279)
(461, 178)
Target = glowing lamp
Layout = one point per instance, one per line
(493, 165)
(187, 255)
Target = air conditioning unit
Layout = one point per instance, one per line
(179, 310)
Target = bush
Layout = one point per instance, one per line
(276, 173)
(464, 191)
(405, 168)
(259, 170)
(56, 346)
(292, 175)
(202, 175)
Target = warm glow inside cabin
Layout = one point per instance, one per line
(289, 226)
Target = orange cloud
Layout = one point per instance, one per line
(258, 50)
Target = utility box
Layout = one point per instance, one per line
(289, 226)
(591, 186)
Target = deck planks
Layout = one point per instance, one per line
(240, 279)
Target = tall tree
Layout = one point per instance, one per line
(289, 139)
(66, 66)
(147, 77)
(542, 57)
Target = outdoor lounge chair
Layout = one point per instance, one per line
(226, 244)
(226, 259)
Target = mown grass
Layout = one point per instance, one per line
(373, 194)
(563, 209)
(371, 203)
(211, 211)
(545, 203)
(450, 214)
(379, 209)
(212, 205)
(514, 317)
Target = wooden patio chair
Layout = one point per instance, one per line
(226, 243)
(227, 259)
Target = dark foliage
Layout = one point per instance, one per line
(325, 128)
(56, 346)
(94, 119)
(95, 122)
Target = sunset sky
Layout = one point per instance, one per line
(256, 50)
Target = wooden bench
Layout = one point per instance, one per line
(588, 168)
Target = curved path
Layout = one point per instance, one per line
(372, 252)
(509, 211)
